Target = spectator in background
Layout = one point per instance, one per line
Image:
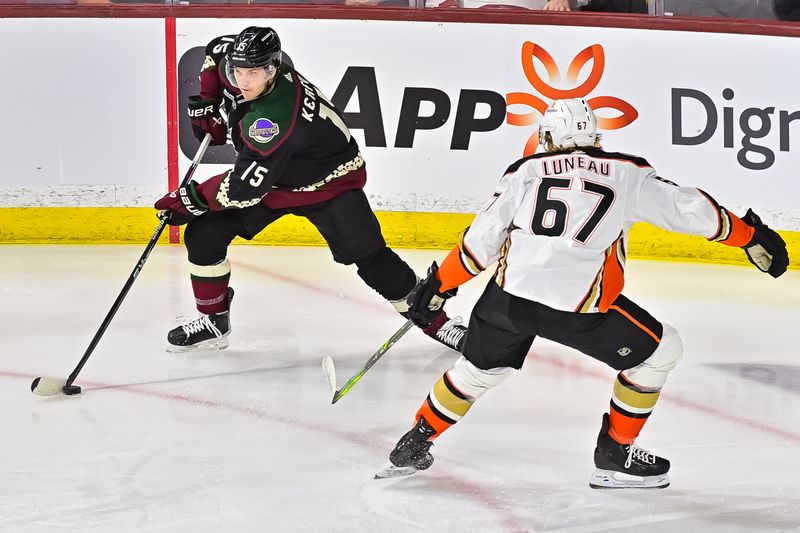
(398, 3)
(744, 9)
(609, 6)
(617, 6)
(787, 9)
(558, 5)
(620, 6)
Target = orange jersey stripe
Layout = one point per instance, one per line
(613, 279)
(639, 324)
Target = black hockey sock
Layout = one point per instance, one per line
(385, 272)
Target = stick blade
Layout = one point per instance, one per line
(329, 371)
(48, 386)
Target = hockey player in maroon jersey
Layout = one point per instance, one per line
(295, 155)
(557, 227)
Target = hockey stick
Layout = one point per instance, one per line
(51, 386)
(330, 372)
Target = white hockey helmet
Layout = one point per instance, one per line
(570, 124)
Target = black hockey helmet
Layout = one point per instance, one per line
(256, 47)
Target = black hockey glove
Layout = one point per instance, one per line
(766, 250)
(206, 119)
(181, 205)
(425, 301)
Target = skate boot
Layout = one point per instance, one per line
(206, 332)
(449, 331)
(621, 466)
(412, 452)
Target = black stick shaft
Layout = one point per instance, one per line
(136, 270)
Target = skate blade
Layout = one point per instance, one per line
(205, 346)
(390, 471)
(608, 479)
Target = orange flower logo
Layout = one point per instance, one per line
(594, 53)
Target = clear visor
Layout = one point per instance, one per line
(257, 75)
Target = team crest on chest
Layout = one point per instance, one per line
(263, 130)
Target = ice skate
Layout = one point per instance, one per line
(449, 331)
(411, 454)
(620, 466)
(206, 332)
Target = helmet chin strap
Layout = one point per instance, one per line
(269, 86)
(271, 83)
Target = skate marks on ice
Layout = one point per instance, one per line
(554, 506)
(128, 496)
(670, 510)
(719, 411)
(385, 505)
(527, 503)
(728, 476)
(475, 500)
(785, 377)
(444, 501)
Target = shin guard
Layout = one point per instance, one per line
(455, 392)
(636, 390)
(210, 286)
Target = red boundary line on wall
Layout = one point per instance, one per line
(172, 115)
(484, 15)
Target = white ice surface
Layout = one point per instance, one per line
(246, 440)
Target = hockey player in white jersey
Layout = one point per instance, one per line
(557, 227)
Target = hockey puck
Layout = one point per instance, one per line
(69, 390)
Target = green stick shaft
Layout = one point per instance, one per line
(372, 360)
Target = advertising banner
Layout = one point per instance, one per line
(84, 105)
(442, 109)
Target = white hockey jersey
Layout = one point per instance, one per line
(558, 226)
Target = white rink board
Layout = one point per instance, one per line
(103, 121)
(411, 54)
(84, 104)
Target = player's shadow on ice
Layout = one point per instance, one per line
(307, 362)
